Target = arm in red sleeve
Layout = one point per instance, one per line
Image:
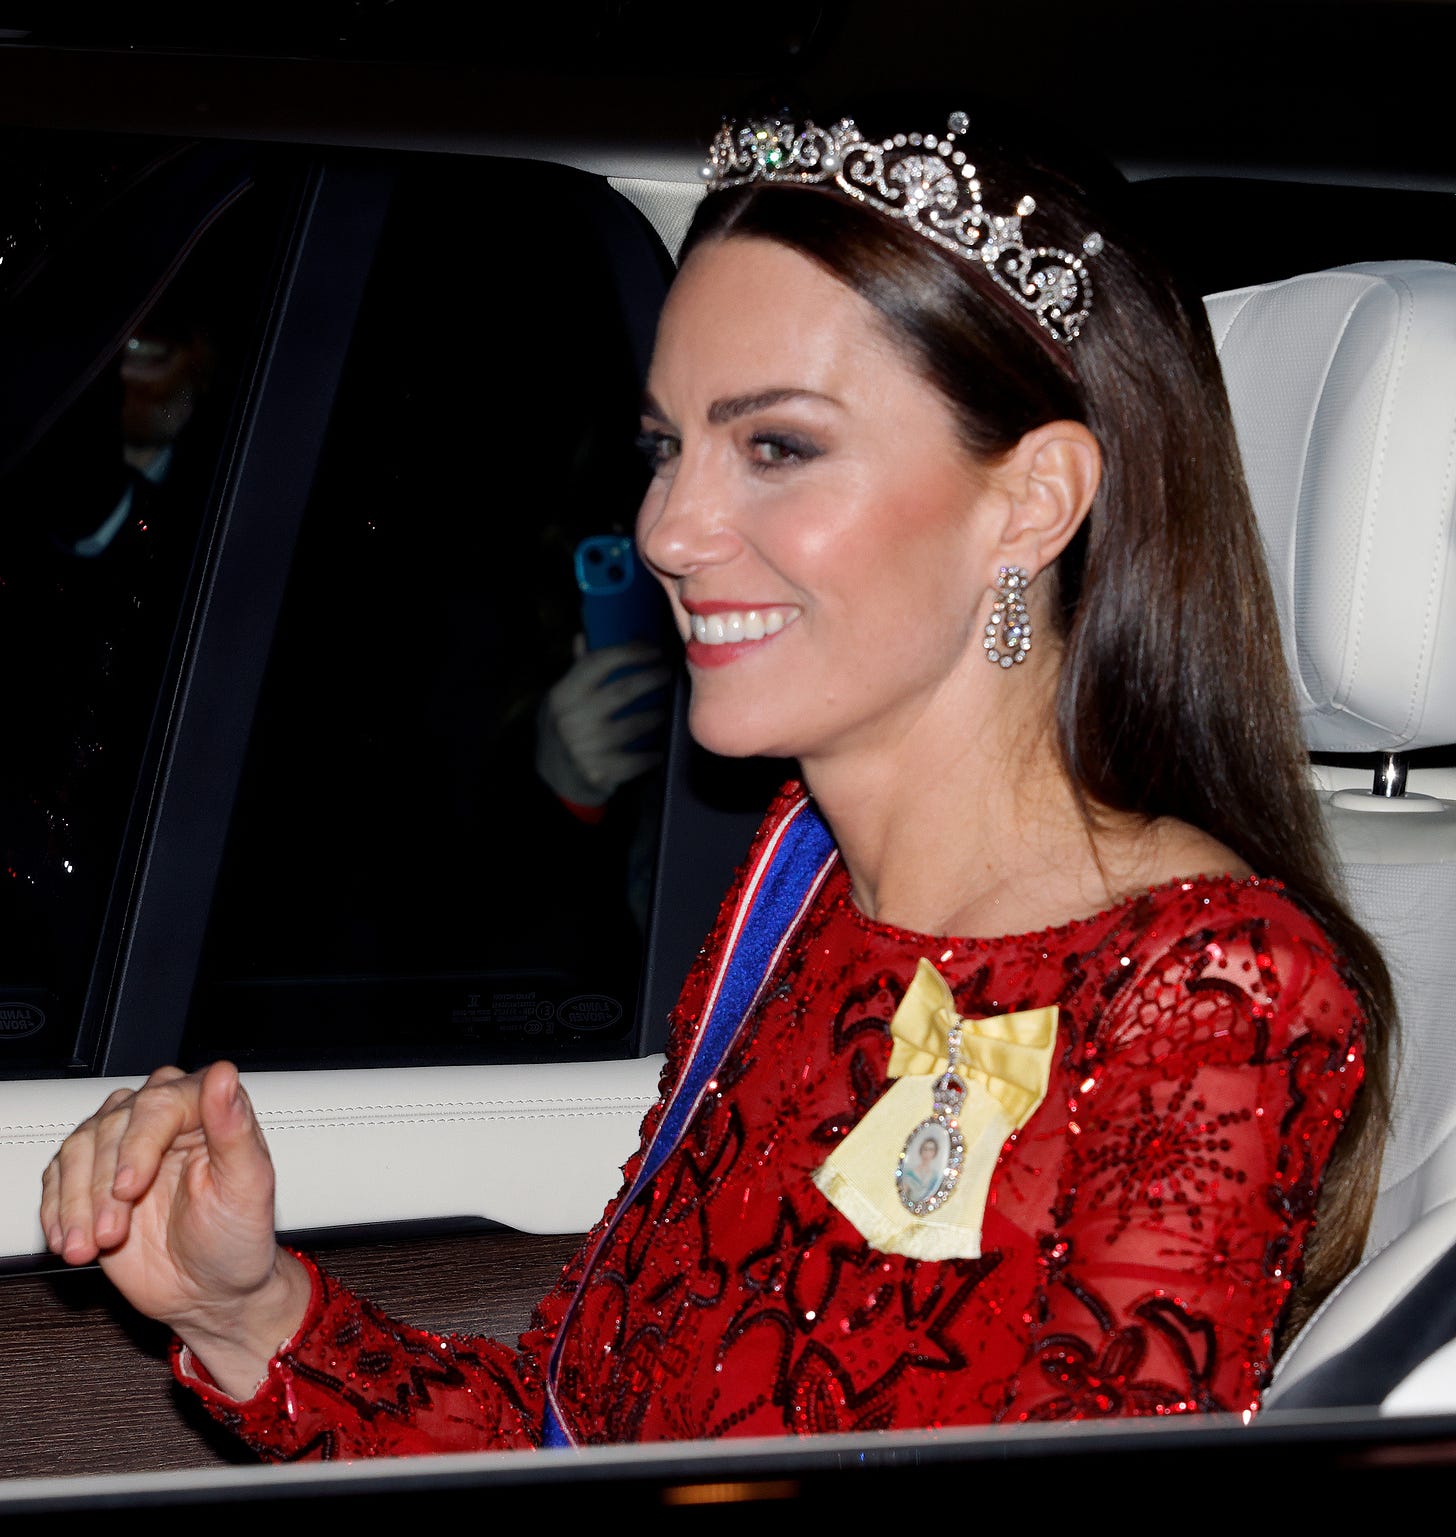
(1210, 1096)
(354, 1383)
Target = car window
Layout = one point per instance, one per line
(400, 885)
(131, 278)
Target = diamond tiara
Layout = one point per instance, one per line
(927, 182)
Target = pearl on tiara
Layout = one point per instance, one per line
(926, 181)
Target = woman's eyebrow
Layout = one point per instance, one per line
(732, 407)
(735, 406)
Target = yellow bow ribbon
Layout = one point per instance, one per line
(1009, 1054)
(1005, 1063)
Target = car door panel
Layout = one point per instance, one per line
(88, 1389)
(536, 1146)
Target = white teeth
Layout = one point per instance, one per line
(740, 624)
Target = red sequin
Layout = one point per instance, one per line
(1138, 1244)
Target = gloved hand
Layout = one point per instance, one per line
(589, 741)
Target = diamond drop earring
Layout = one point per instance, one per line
(1008, 634)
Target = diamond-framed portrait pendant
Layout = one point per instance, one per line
(931, 1159)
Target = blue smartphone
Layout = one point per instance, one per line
(620, 601)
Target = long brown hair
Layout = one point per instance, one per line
(1174, 697)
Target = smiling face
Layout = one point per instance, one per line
(825, 539)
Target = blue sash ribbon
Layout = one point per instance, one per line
(779, 890)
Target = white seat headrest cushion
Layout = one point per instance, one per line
(1343, 386)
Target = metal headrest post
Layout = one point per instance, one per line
(1390, 772)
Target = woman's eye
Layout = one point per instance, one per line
(772, 450)
(657, 448)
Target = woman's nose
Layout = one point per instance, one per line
(685, 522)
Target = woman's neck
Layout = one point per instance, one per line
(987, 836)
(987, 841)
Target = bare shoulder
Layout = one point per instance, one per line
(1170, 850)
(1195, 852)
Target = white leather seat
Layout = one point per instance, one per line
(1343, 386)
(1384, 1337)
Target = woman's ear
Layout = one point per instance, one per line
(1048, 482)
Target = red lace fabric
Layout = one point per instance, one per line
(1140, 1241)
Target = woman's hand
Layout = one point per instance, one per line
(171, 1188)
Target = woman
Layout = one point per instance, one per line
(902, 425)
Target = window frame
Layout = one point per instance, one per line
(144, 985)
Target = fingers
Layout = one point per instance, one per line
(66, 1213)
(589, 671)
(163, 1112)
(612, 713)
(110, 1217)
(607, 754)
(237, 1152)
(610, 736)
(78, 1213)
(631, 653)
(618, 694)
(108, 1162)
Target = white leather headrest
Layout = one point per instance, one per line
(1343, 386)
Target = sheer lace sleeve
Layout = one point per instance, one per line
(1207, 1104)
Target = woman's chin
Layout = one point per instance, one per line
(730, 736)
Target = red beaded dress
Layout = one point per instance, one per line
(1140, 1238)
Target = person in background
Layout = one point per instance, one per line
(100, 521)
